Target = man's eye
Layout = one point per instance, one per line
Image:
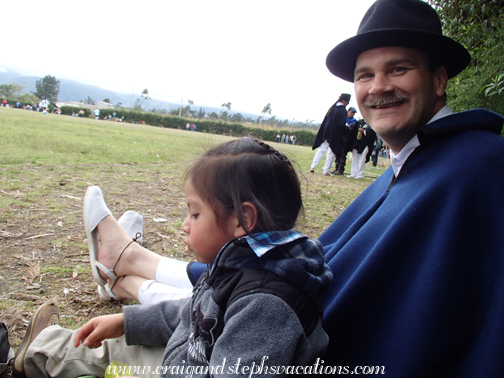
(364, 77)
(399, 69)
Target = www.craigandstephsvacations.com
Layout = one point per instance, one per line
(237, 368)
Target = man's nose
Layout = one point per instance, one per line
(380, 84)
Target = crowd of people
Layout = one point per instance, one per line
(42, 106)
(409, 279)
(286, 139)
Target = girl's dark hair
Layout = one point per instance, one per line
(249, 170)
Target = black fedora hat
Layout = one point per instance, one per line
(406, 23)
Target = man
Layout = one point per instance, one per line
(350, 116)
(361, 148)
(340, 162)
(377, 148)
(418, 257)
(332, 135)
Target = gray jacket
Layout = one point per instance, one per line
(248, 315)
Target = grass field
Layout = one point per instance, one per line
(46, 164)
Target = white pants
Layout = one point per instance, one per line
(320, 154)
(358, 163)
(171, 282)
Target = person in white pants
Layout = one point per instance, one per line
(323, 148)
(358, 163)
(364, 140)
(332, 135)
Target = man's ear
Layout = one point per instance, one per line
(441, 81)
(250, 215)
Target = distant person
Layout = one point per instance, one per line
(340, 160)
(350, 116)
(97, 113)
(362, 148)
(332, 134)
(293, 139)
(282, 140)
(278, 138)
(188, 126)
(377, 148)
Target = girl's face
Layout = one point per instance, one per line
(204, 235)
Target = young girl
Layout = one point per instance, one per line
(256, 309)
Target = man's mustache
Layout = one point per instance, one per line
(385, 100)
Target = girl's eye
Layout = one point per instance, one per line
(194, 216)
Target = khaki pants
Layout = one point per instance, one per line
(52, 354)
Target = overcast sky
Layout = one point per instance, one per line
(249, 53)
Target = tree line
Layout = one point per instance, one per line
(479, 26)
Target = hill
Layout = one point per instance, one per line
(71, 90)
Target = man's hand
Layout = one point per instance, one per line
(98, 329)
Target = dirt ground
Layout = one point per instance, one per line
(45, 255)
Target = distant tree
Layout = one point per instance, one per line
(237, 117)
(186, 112)
(213, 115)
(11, 90)
(224, 115)
(48, 87)
(190, 102)
(89, 101)
(29, 98)
(267, 109)
(119, 105)
(226, 105)
(107, 100)
(138, 105)
(201, 113)
(18, 92)
(145, 94)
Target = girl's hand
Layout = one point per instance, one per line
(98, 329)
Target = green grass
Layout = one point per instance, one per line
(43, 156)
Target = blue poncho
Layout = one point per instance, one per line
(418, 260)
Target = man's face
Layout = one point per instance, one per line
(396, 92)
(350, 114)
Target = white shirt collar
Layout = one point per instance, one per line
(397, 161)
(445, 111)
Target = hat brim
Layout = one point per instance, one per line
(449, 53)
